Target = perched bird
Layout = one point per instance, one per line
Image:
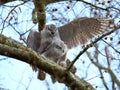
(43, 41)
(49, 33)
(51, 41)
(55, 50)
(74, 33)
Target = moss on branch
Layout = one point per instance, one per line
(18, 51)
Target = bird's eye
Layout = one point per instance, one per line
(58, 47)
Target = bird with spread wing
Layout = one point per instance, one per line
(72, 34)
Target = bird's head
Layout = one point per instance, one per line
(60, 47)
(51, 29)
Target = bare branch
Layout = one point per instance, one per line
(100, 70)
(106, 9)
(114, 78)
(90, 45)
(41, 15)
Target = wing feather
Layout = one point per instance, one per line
(80, 30)
(33, 40)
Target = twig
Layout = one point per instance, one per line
(9, 15)
(111, 46)
(90, 45)
(106, 9)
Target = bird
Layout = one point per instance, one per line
(49, 33)
(55, 50)
(70, 35)
(38, 41)
(74, 33)
(42, 42)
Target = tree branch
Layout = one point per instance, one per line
(97, 7)
(53, 1)
(100, 70)
(5, 1)
(16, 50)
(90, 45)
(114, 78)
(41, 15)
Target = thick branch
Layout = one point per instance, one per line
(41, 16)
(53, 1)
(5, 1)
(18, 51)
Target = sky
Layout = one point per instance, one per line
(17, 75)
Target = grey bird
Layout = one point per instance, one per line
(76, 32)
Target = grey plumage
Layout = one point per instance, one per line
(49, 33)
(56, 50)
(34, 40)
(43, 42)
(79, 31)
(75, 33)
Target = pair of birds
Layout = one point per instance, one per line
(53, 42)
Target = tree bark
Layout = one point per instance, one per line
(5, 1)
(16, 50)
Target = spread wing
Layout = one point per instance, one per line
(33, 40)
(80, 30)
